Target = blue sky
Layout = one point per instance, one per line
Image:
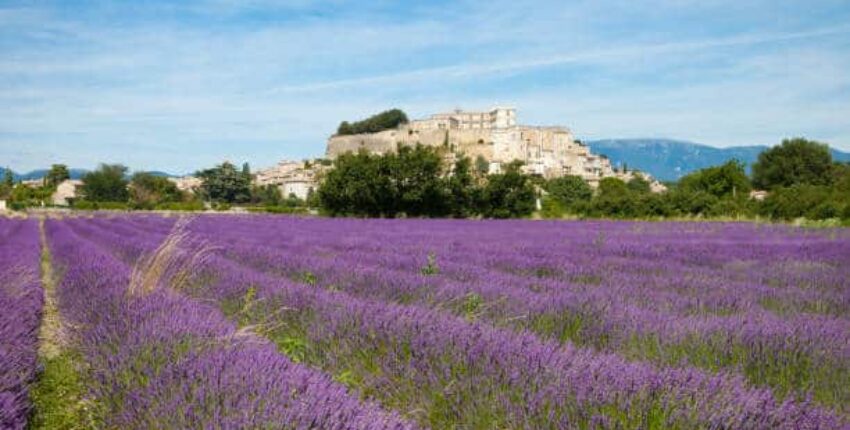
(177, 87)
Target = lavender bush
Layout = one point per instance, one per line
(156, 359)
(21, 300)
(487, 314)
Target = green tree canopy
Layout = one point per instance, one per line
(508, 195)
(357, 185)
(147, 191)
(8, 183)
(57, 174)
(106, 184)
(406, 182)
(416, 181)
(727, 180)
(482, 166)
(268, 195)
(795, 161)
(225, 184)
(462, 191)
(383, 121)
(569, 190)
(638, 184)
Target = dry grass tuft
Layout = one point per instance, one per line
(172, 264)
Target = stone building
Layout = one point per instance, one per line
(66, 192)
(493, 135)
(187, 183)
(298, 178)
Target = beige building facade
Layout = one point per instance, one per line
(493, 135)
(298, 178)
(66, 192)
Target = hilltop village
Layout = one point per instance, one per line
(491, 138)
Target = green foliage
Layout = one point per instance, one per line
(290, 210)
(462, 192)
(106, 184)
(58, 397)
(148, 191)
(57, 174)
(552, 208)
(407, 182)
(190, 205)
(383, 121)
(802, 200)
(727, 180)
(568, 191)
(225, 184)
(508, 195)
(416, 182)
(639, 185)
(268, 195)
(482, 167)
(471, 305)
(8, 178)
(795, 161)
(431, 267)
(294, 347)
(23, 196)
(7, 184)
(94, 206)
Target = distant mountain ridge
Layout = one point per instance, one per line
(40, 173)
(74, 173)
(669, 159)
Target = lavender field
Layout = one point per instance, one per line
(282, 322)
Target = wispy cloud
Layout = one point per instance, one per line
(594, 56)
(178, 86)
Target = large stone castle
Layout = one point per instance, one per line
(493, 136)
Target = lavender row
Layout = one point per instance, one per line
(804, 355)
(401, 354)
(21, 301)
(798, 354)
(157, 359)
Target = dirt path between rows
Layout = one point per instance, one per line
(50, 332)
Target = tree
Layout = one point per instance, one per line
(461, 189)
(416, 182)
(795, 161)
(482, 167)
(613, 199)
(569, 190)
(727, 180)
(268, 195)
(246, 170)
(8, 182)
(106, 184)
(147, 191)
(407, 182)
(355, 186)
(383, 121)
(225, 184)
(57, 174)
(638, 184)
(508, 195)
(344, 129)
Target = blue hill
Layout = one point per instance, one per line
(669, 160)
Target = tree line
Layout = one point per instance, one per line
(799, 176)
(110, 186)
(412, 182)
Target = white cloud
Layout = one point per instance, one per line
(162, 93)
